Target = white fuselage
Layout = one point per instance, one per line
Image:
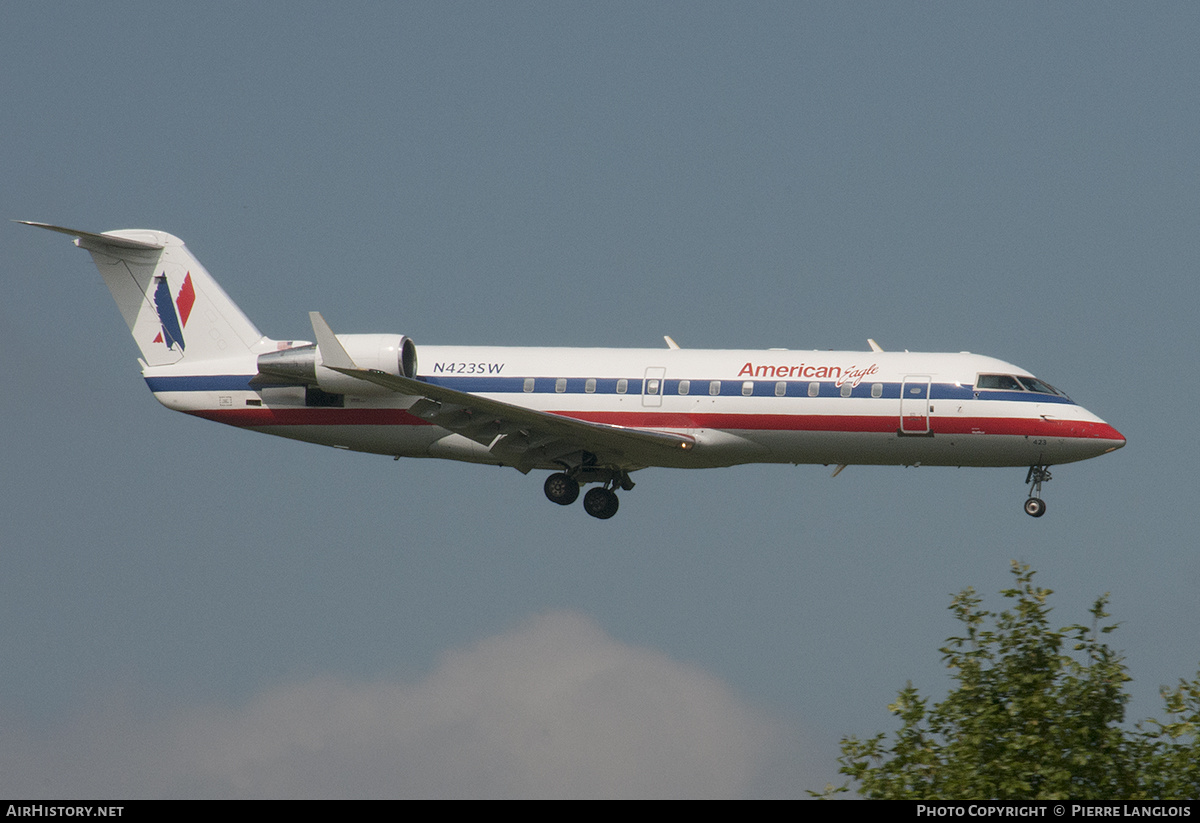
(780, 406)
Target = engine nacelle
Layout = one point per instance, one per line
(394, 354)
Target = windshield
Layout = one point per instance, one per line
(1008, 382)
(1033, 384)
(1004, 382)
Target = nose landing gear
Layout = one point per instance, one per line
(1034, 505)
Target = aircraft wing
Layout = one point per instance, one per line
(520, 437)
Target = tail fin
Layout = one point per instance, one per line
(173, 307)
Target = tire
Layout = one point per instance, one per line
(561, 489)
(600, 503)
(1034, 507)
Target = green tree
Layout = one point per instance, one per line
(1035, 713)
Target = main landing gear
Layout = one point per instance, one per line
(1034, 505)
(561, 489)
(600, 502)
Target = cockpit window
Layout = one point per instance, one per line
(1033, 384)
(998, 381)
(1007, 382)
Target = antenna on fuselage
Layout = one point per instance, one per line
(671, 344)
(874, 346)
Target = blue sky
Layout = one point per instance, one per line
(194, 610)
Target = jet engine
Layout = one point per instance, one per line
(394, 354)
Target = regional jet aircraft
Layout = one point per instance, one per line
(589, 416)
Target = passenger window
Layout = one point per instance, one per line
(714, 388)
(814, 389)
(528, 384)
(560, 385)
(877, 390)
(780, 389)
(590, 385)
(747, 389)
(685, 386)
(622, 386)
(846, 389)
(651, 387)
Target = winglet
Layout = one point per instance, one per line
(332, 352)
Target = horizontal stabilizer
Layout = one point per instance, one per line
(113, 239)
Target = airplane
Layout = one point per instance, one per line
(588, 415)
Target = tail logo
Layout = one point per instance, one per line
(172, 321)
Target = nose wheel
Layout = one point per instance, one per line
(1034, 505)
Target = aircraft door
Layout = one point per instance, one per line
(914, 404)
(652, 386)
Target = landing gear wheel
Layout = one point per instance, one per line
(600, 503)
(1034, 507)
(561, 489)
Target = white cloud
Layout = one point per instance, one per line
(552, 708)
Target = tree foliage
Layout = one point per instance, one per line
(1035, 713)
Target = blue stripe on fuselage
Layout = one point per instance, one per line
(608, 385)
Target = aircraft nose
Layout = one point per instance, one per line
(1115, 439)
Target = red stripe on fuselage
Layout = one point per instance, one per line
(1028, 426)
(252, 417)
(883, 424)
(1034, 427)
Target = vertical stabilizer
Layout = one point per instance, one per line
(173, 307)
